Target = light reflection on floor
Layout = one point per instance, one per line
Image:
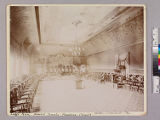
(59, 94)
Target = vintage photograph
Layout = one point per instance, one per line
(76, 58)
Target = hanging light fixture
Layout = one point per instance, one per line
(76, 50)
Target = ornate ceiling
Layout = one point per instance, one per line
(58, 32)
(57, 22)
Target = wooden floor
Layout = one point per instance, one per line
(59, 94)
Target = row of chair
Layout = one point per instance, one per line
(131, 82)
(22, 94)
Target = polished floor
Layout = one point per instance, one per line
(60, 94)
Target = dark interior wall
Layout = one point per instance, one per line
(23, 37)
(23, 26)
(128, 37)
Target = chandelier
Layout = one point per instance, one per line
(76, 50)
